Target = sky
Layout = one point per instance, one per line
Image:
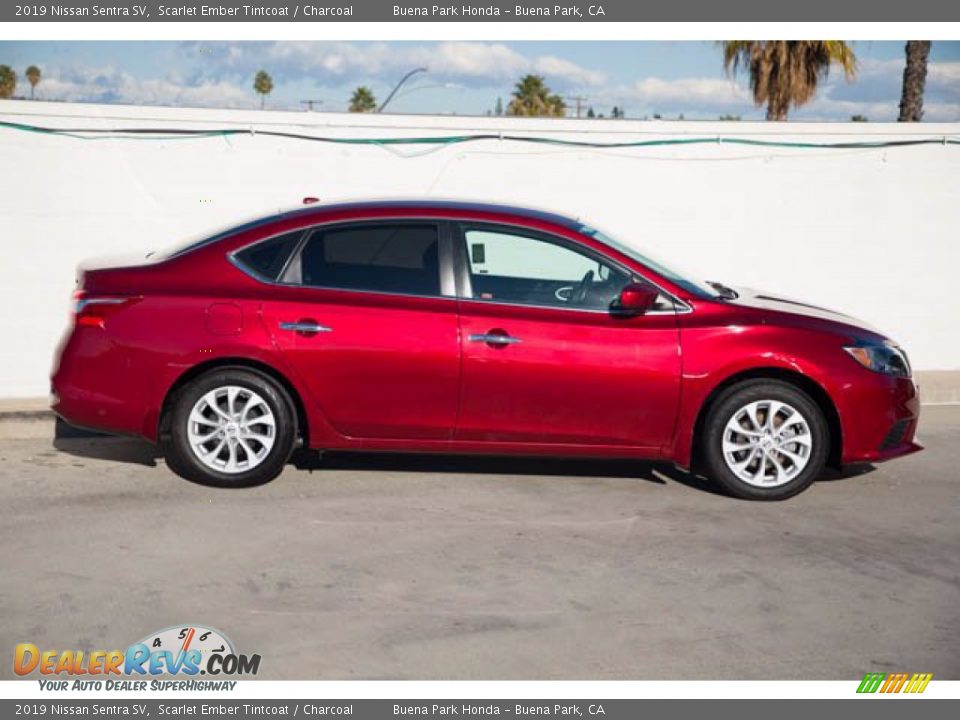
(645, 78)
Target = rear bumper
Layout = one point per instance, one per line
(92, 385)
(879, 417)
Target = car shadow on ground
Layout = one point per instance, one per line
(97, 446)
(88, 444)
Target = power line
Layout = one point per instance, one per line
(187, 134)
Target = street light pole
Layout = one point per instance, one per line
(400, 85)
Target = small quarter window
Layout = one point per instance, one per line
(266, 259)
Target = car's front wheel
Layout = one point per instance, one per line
(765, 440)
(230, 427)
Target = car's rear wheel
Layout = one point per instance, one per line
(231, 427)
(765, 440)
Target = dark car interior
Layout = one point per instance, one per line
(381, 258)
(586, 292)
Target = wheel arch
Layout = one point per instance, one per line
(803, 382)
(262, 368)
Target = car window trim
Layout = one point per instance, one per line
(451, 232)
(444, 252)
(464, 284)
(240, 264)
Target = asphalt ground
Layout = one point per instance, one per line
(392, 567)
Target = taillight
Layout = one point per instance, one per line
(93, 310)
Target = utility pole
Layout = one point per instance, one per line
(579, 100)
(310, 103)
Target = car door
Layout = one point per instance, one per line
(368, 321)
(544, 358)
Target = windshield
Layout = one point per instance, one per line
(699, 288)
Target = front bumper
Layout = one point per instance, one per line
(879, 418)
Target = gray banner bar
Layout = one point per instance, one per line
(212, 707)
(479, 10)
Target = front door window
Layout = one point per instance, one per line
(510, 267)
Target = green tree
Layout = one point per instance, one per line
(590, 113)
(8, 81)
(785, 73)
(532, 98)
(914, 81)
(498, 110)
(859, 118)
(363, 100)
(262, 85)
(33, 77)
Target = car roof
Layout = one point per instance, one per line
(320, 209)
(427, 205)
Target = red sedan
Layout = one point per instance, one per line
(463, 328)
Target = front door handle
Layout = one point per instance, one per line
(305, 327)
(495, 338)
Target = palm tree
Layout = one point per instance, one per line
(363, 100)
(914, 81)
(532, 98)
(785, 73)
(33, 76)
(263, 85)
(8, 81)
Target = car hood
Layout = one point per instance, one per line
(762, 300)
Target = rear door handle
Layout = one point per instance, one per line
(495, 339)
(305, 326)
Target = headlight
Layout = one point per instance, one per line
(886, 359)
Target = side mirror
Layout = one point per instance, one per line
(635, 299)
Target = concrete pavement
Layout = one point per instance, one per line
(433, 568)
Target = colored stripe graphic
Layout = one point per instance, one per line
(894, 682)
(918, 683)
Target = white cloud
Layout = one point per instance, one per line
(115, 86)
(704, 92)
(554, 67)
(875, 94)
(326, 63)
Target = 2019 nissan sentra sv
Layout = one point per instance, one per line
(451, 327)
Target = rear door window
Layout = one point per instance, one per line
(391, 258)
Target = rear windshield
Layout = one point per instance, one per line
(198, 241)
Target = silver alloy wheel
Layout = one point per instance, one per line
(231, 429)
(767, 443)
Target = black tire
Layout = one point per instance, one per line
(181, 458)
(730, 402)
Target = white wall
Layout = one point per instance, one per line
(870, 232)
